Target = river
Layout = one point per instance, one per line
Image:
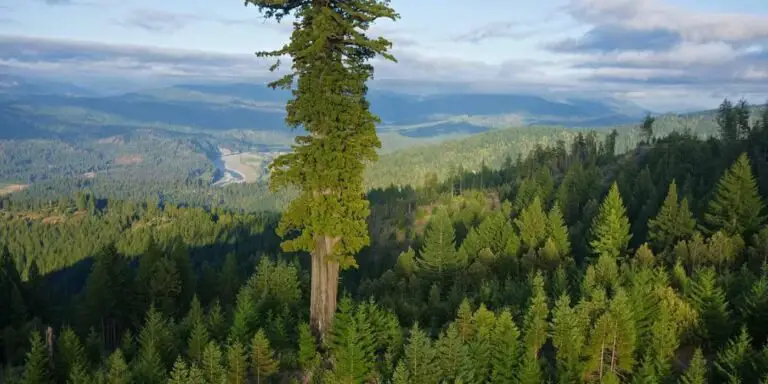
(226, 175)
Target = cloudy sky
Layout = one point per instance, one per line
(661, 54)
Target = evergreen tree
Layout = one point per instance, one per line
(646, 129)
(179, 372)
(117, 369)
(327, 165)
(697, 370)
(568, 337)
(69, 354)
(736, 207)
(558, 231)
(734, 364)
(452, 353)
(533, 225)
(213, 371)
(351, 345)
(36, 365)
(419, 362)
(505, 352)
(153, 348)
(711, 304)
(263, 363)
(673, 223)
(309, 359)
(237, 364)
(727, 121)
(198, 340)
(610, 228)
(438, 257)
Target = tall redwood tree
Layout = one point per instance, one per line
(330, 51)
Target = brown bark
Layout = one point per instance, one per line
(325, 285)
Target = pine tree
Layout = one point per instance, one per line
(237, 364)
(734, 363)
(505, 351)
(452, 353)
(117, 369)
(179, 372)
(329, 215)
(480, 347)
(69, 353)
(533, 225)
(36, 364)
(646, 129)
(558, 231)
(610, 228)
(711, 304)
(673, 223)
(568, 337)
(727, 121)
(198, 339)
(736, 207)
(309, 359)
(212, 368)
(154, 347)
(263, 363)
(352, 345)
(438, 257)
(697, 370)
(419, 362)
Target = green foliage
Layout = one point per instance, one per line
(438, 257)
(419, 362)
(237, 364)
(212, 368)
(673, 223)
(36, 365)
(505, 350)
(351, 345)
(610, 228)
(117, 369)
(697, 370)
(737, 206)
(532, 224)
(263, 363)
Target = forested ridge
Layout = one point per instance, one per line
(573, 264)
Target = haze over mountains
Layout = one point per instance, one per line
(216, 107)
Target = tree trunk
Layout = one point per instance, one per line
(325, 286)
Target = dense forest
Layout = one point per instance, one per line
(573, 264)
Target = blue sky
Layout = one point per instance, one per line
(662, 54)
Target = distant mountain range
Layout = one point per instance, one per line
(58, 108)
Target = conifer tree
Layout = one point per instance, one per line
(505, 352)
(735, 362)
(711, 304)
(535, 333)
(352, 345)
(727, 121)
(117, 369)
(438, 257)
(263, 363)
(452, 353)
(212, 368)
(558, 231)
(736, 207)
(610, 228)
(36, 364)
(568, 337)
(69, 353)
(237, 364)
(477, 368)
(697, 370)
(179, 372)
(197, 342)
(328, 218)
(419, 362)
(309, 359)
(533, 225)
(153, 348)
(673, 223)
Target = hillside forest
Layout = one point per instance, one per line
(573, 257)
(570, 265)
